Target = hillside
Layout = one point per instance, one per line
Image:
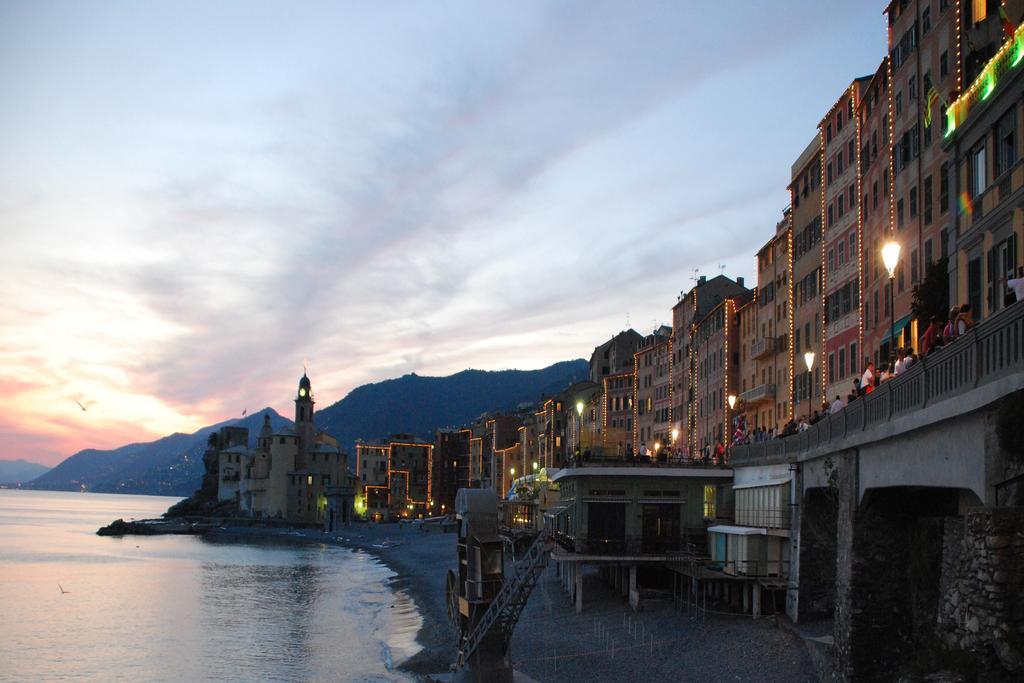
(411, 404)
(171, 466)
(419, 405)
(17, 471)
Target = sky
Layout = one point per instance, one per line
(197, 198)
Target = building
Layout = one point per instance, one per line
(288, 474)
(617, 394)
(806, 257)
(621, 517)
(746, 368)
(875, 216)
(983, 139)
(652, 389)
(395, 477)
(689, 309)
(766, 400)
(450, 470)
(841, 145)
(942, 47)
(715, 358)
(614, 356)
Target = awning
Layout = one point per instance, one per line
(738, 530)
(900, 324)
(758, 484)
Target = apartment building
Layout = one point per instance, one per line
(766, 400)
(652, 406)
(806, 260)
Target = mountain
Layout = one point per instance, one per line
(171, 466)
(419, 405)
(17, 471)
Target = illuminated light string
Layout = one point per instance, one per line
(860, 234)
(790, 403)
(1009, 55)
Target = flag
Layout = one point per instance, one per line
(933, 95)
(1008, 27)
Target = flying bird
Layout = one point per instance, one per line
(62, 591)
(79, 404)
(244, 412)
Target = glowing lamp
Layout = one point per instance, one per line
(809, 360)
(534, 465)
(732, 401)
(890, 256)
(657, 446)
(675, 435)
(579, 408)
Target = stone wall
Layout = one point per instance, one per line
(982, 611)
(818, 553)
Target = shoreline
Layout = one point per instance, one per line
(417, 569)
(608, 641)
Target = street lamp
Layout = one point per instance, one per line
(890, 257)
(534, 465)
(579, 430)
(809, 360)
(675, 435)
(732, 401)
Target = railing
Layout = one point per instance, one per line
(773, 568)
(768, 518)
(762, 347)
(762, 392)
(985, 353)
(607, 458)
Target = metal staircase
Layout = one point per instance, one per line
(504, 611)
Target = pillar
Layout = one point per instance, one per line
(634, 594)
(624, 581)
(757, 600)
(746, 597)
(579, 588)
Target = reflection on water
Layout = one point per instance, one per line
(180, 608)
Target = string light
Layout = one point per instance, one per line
(792, 314)
(819, 328)
(1008, 56)
(861, 208)
(636, 370)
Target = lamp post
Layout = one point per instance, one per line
(731, 400)
(809, 360)
(890, 257)
(579, 429)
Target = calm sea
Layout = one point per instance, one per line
(178, 608)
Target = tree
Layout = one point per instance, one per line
(931, 296)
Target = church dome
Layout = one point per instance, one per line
(305, 384)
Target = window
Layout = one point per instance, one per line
(913, 267)
(943, 65)
(842, 363)
(828, 172)
(851, 150)
(977, 179)
(912, 88)
(841, 205)
(899, 103)
(943, 243)
(853, 358)
(928, 200)
(874, 195)
(944, 188)
(842, 253)
(828, 132)
(899, 213)
(853, 196)
(1006, 151)
(839, 163)
(831, 368)
(927, 252)
(926, 20)
(913, 202)
(709, 501)
(839, 121)
(831, 259)
(979, 10)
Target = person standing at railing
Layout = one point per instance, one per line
(964, 321)
(929, 337)
(949, 331)
(1016, 285)
(867, 380)
(836, 406)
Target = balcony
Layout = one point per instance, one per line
(762, 347)
(759, 394)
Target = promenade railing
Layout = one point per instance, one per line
(986, 353)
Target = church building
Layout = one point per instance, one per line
(290, 472)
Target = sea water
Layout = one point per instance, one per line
(77, 606)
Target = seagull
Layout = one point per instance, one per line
(79, 404)
(62, 591)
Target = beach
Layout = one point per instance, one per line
(606, 642)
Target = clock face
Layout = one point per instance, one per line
(302, 391)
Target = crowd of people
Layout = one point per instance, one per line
(937, 335)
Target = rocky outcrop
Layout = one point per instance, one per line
(145, 527)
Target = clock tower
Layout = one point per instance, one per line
(304, 428)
